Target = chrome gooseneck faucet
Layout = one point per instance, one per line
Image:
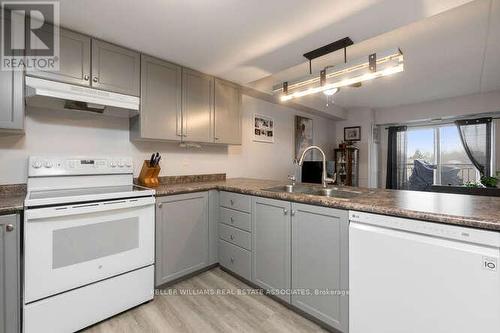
(325, 179)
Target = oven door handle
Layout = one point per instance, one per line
(38, 214)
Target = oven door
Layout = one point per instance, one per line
(66, 247)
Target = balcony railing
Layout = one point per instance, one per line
(466, 172)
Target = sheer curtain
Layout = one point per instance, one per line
(396, 158)
(476, 139)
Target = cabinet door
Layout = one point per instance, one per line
(197, 106)
(161, 98)
(182, 236)
(11, 101)
(320, 262)
(74, 59)
(115, 68)
(271, 245)
(213, 221)
(9, 274)
(227, 113)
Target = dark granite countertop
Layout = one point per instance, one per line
(463, 210)
(12, 198)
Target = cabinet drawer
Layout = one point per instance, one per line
(235, 236)
(235, 219)
(235, 259)
(235, 201)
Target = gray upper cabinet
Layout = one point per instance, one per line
(320, 261)
(74, 60)
(227, 124)
(271, 245)
(10, 277)
(197, 106)
(11, 101)
(182, 235)
(161, 101)
(115, 68)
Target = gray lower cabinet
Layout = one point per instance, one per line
(115, 68)
(197, 106)
(10, 277)
(74, 59)
(271, 247)
(320, 263)
(227, 124)
(11, 101)
(182, 235)
(161, 102)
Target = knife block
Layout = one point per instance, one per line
(149, 175)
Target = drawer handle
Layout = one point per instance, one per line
(232, 202)
(232, 220)
(231, 237)
(232, 260)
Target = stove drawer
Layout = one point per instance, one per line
(68, 247)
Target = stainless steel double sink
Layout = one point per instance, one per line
(332, 192)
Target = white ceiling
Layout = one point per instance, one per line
(241, 40)
(454, 53)
(259, 43)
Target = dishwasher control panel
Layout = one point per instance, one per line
(441, 230)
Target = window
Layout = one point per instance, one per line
(435, 156)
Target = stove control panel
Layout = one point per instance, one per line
(41, 166)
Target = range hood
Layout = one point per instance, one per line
(56, 95)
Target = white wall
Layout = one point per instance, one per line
(77, 133)
(359, 117)
(443, 108)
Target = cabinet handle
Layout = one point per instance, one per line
(232, 260)
(86, 77)
(232, 220)
(95, 79)
(160, 205)
(9, 227)
(216, 138)
(292, 213)
(231, 237)
(232, 202)
(285, 212)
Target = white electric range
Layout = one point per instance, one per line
(88, 242)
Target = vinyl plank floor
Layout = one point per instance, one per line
(219, 308)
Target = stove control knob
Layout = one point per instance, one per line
(37, 164)
(121, 164)
(112, 164)
(47, 164)
(128, 163)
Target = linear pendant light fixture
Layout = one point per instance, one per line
(376, 65)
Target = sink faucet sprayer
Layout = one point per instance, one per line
(325, 178)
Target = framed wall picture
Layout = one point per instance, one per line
(303, 135)
(263, 130)
(352, 133)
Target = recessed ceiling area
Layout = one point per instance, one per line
(240, 40)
